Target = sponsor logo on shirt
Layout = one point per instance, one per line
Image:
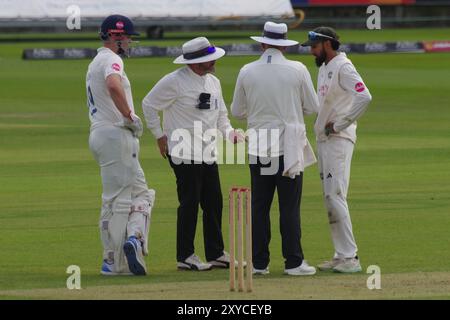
(119, 25)
(116, 66)
(330, 74)
(359, 87)
(323, 90)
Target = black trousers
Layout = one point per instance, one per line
(289, 198)
(198, 184)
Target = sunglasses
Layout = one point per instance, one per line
(313, 36)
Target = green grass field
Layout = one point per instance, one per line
(399, 194)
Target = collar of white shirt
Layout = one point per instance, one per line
(276, 54)
(104, 49)
(195, 75)
(336, 59)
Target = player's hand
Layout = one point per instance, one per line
(134, 123)
(329, 128)
(163, 148)
(236, 136)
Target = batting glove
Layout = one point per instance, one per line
(134, 124)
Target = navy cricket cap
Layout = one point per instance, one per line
(118, 24)
(321, 34)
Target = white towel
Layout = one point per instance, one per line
(298, 153)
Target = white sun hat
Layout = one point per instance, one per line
(199, 50)
(275, 34)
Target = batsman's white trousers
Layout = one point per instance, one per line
(335, 156)
(126, 200)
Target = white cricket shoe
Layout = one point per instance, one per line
(135, 257)
(194, 263)
(329, 265)
(348, 265)
(261, 272)
(302, 270)
(224, 261)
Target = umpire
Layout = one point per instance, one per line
(191, 101)
(273, 94)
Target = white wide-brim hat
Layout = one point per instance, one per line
(275, 34)
(199, 50)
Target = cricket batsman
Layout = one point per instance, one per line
(114, 142)
(343, 98)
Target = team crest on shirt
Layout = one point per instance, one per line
(119, 25)
(359, 87)
(330, 74)
(116, 66)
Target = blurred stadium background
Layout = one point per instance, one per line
(154, 16)
(32, 20)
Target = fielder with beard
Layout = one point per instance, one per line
(343, 98)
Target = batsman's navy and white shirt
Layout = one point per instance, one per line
(102, 110)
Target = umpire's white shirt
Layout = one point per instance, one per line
(177, 95)
(102, 110)
(271, 93)
(343, 98)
